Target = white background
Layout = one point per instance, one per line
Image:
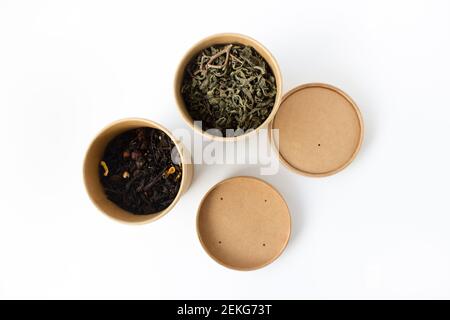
(379, 229)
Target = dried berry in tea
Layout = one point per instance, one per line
(229, 87)
(140, 171)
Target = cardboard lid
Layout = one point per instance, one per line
(243, 223)
(320, 129)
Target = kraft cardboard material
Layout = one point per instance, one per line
(243, 223)
(225, 38)
(320, 130)
(92, 180)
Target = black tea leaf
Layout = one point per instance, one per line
(137, 171)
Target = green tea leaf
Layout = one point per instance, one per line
(229, 87)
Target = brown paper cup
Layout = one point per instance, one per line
(226, 38)
(93, 158)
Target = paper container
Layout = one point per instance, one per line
(226, 38)
(91, 171)
(243, 223)
(320, 130)
(321, 127)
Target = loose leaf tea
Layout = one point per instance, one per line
(229, 87)
(137, 171)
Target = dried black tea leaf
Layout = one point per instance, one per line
(229, 87)
(137, 171)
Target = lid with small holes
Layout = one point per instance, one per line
(243, 223)
(320, 130)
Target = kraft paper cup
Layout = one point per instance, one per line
(217, 39)
(94, 155)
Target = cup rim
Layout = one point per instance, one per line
(194, 50)
(145, 123)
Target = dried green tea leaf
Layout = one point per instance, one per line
(229, 87)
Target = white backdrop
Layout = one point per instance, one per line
(379, 229)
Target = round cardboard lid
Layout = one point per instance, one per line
(243, 223)
(320, 130)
